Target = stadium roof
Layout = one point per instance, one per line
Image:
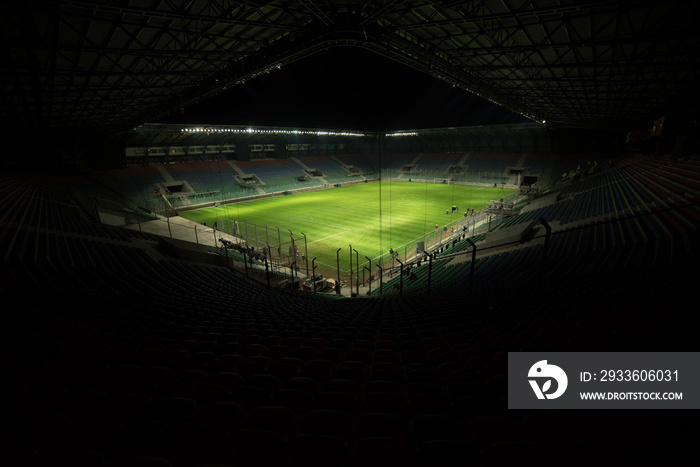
(109, 66)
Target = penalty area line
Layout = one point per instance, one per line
(330, 236)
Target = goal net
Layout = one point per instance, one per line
(442, 181)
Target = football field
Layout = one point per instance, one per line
(372, 217)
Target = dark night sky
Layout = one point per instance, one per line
(347, 88)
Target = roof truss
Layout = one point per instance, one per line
(110, 66)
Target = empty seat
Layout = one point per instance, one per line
(228, 416)
(318, 450)
(275, 419)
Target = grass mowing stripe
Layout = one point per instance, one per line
(339, 217)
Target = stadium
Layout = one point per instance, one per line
(298, 233)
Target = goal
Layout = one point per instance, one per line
(442, 181)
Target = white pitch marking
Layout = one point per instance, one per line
(306, 219)
(329, 236)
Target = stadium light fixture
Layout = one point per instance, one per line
(272, 131)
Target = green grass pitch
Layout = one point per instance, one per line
(353, 215)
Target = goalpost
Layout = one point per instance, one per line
(442, 181)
